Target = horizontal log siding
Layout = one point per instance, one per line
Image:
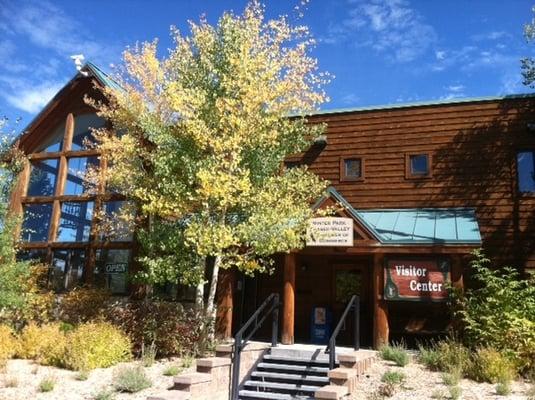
(473, 148)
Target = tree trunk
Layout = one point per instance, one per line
(210, 310)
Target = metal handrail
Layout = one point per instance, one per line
(240, 342)
(331, 347)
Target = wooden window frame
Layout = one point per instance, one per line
(20, 199)
(343, 177)
(408, 170)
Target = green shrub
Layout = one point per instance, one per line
(82, 376)
(455, 392)
(131, 379)
(96, 345)
(8, 344)
(447, 355)
(172, 370)
(430, 357)
(47, 384)
(500, 312)
(492, 366)
(393, 377)
(104, 394)
(148, 355)
(453, 377)
(396, 352)
(46, 344)
(503, 388)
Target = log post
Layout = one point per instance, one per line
(288, 312)
(380, 309)
(225, 302)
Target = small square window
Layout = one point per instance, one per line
(351, 169)
(43, 177)
(525, 161)
(418, 165)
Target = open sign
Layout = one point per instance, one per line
(116, 268)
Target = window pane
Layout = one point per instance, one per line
(54, 142)
(352, 168)
(75, 222)
(67, 269)
(82, 133)
(526, 171)
(113, 266)
(114, 227)
(36, 222)
(35, 255)
(77, 167)
(43, 178)
(419, 164)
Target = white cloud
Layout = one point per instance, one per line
(455, 88)
(493, 35)
(350, 99)
(440, 54)
(32, 99)
(36, 40)
(387, 26)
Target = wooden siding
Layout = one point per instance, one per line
(473, 148)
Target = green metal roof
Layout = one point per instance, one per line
(101, 76)
(394, 106)
(416, 225)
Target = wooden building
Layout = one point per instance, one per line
(417, 187)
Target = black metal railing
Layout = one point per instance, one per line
(239, 341)
(354, 302)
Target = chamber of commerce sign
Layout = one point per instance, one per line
(330, 231)
(414, 279)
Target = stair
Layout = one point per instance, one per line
(286, 377)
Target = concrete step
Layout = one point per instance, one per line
(292, 388)
(294, 360)
(305, 369)
(254, 395)
(277, 376)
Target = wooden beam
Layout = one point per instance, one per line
(288, 311)
(380, 308)
(225, 303)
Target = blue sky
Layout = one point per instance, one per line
(380, 51)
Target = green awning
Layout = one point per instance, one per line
(417, 225)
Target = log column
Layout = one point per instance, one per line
(225, 303)
(288, 311)
(380, 309)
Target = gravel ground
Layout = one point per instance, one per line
(422, 384)
(28, 375)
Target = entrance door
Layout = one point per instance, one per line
(348, 280)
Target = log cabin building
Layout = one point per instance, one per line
(416, 187)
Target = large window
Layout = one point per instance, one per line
(75, 221)
(82, 130)
(43, 176)
(113, 269)
(526, 171)
(115, 227)
(36, 222)
(59, 212)
(67, 269)
(75, 184)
